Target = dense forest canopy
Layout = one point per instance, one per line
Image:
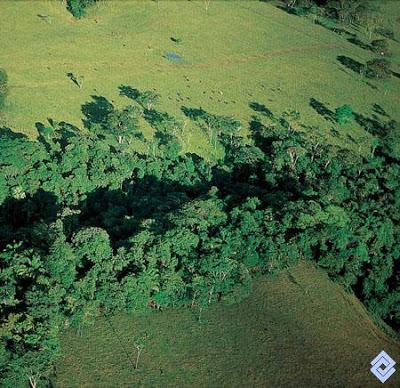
(91, 226)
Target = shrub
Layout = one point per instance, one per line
(3, 86)
(378, 68)
(344, 114)
(78, 7)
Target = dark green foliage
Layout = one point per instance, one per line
(378, 68)
(386, 32)
(3, 87)
(146, 99)
(344, 11)
(344, 114)
(89, 226)
(78, 7)
(348, 11)
(380, 46)
(124, 122)
(390, 140)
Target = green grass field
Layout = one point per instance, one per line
(297, 330)
(236, 53)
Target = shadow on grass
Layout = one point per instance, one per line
(193, 113)
(356, 41)
(7, 134)
(96, 111)
(397, 75)
(322, 110)
(333, 28)
(129, 92)
(372, 124)
(261, 108)
(351, 64)
(379, 110)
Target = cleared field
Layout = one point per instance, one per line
(297, 330)
(234, 54)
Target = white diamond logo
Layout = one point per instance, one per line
(383, 366)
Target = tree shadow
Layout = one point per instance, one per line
(39, 126)
(261, 108)
(322, 110)
(397, 75)
(7, 133)
(25, 217)
(356, 41)
(154, 117)
(379, 110)
(62, 133)
(96, 111)
(351, 64)
(122, 212)
(372, 124)
(386, 33)
(140, 202)
(336, 30)
(128, 91)
(193, 113)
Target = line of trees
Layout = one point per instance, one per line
(89, 226)
(328, 13)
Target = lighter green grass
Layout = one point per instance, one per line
(248, 50)
(298, 330)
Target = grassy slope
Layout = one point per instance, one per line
(251, 51)
(297, 330)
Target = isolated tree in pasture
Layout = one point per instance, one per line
(76, 79)
(344, 114)
(78, 7)
(139, 345)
